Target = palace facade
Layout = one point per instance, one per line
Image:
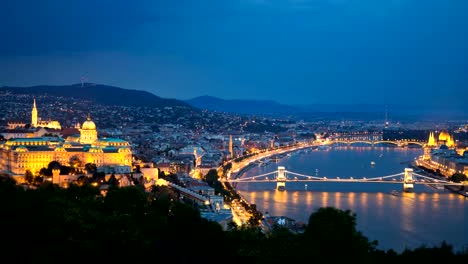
(17, 155)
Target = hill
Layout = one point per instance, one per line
(250, 107)
(101, 94)
(410, 111)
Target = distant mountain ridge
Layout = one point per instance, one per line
(371, 111)
(240, 106)
(102, 94)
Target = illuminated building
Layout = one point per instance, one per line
(440, 155)
(37, 122)
(21, 154)
(431, 142)
(444, 138)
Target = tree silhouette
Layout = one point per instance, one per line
(330, 229)
(113, 180)
(458, 177)
(90, 168)
(75, 162)
(28, 176)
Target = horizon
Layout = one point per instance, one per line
(395, 110)
(291, 52)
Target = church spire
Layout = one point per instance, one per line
(431, 142)
(34, 114)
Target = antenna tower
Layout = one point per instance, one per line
(386, 116)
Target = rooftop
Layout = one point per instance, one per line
(114, 140)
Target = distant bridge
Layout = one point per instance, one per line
(407, 178)
(236, 166)
(400, 143)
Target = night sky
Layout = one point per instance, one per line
(290, 51)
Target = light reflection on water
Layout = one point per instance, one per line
(425, 217)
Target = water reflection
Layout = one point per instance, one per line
(364, 197)
(407, 210)
(324, 199)
(337, 199)
(309, 199)
(435, 199)
(396, 222)
(380, 200)
(351, 198)
(426, 216)
(295, 197)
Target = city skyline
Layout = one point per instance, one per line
(292, 52)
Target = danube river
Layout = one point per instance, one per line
(426, 217)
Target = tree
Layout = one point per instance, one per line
(38, 180)
(43, 172)
(163, 192)
(28, 176)
(99, 176)
(90, 168)
(112, 180)
(458, 177)
(211, 177)
(82, 180)
(330, 229)
(137, 169)
(75, 162)
(444, 251)
(53, 164)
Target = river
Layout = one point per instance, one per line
(426, 217)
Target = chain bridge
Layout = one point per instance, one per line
(281, 176)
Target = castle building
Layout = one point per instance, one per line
(20, 154)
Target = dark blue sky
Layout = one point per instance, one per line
(290, 51)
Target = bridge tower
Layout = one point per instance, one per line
(281, 179)
(408, 180)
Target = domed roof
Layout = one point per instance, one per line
(444, 135)
(88, 125)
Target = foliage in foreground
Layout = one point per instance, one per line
(78, 224)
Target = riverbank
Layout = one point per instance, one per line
(461, 190)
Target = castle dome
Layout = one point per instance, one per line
(88, 125)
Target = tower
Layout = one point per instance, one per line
(450, 142)
(387, 123)
(34, 115)
(431, 142)
(408, 180)
(231, 151)
(56, 175)
(281, 179)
